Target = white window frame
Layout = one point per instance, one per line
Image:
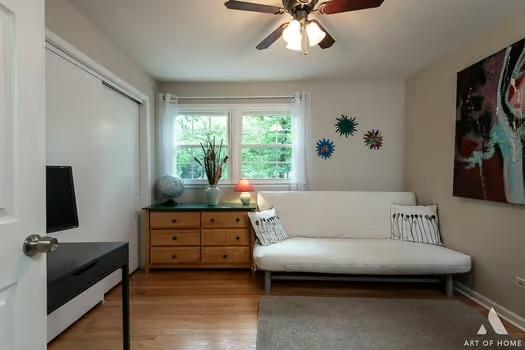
(212, 109)
(235, 113)
(275, 108)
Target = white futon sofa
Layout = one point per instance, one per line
(348, 233)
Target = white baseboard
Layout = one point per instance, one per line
(509, 316)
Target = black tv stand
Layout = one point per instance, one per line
(75, 267)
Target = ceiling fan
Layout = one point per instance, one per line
(301, 32)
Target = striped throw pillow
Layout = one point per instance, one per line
(415, 224)
(268, 227)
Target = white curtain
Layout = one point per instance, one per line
(167, 111)
(301, 129)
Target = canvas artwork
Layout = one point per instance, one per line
(490, 128)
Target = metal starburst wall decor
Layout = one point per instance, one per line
(373, 139)
(346, 126)
(325, 148)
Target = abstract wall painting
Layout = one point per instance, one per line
(346, 126)
(325, 148)
(373, 139)
(490, 128)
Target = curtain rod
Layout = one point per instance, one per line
(232, 97)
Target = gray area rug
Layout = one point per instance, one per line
(305, 323)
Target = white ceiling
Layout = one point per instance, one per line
(201, 40)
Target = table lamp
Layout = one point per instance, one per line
(245, 187)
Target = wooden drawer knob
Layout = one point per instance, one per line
(174, 256)
(225, 256)
(237, 220)
(212, 220)
(174, 238)
(238, 238)
(174, 221)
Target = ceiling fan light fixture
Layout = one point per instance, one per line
(292, 33)
(315, 33)
(300, 31)
(295, 45)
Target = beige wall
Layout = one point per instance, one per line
(377, 104)
(66, 21)
(493, 234)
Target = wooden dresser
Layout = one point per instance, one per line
(198, 236)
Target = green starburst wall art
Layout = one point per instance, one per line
(346, 126)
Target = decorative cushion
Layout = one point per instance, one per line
(267, 226)
(415, 224)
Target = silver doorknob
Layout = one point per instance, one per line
(35, 244)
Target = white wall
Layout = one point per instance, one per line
(377, 104)
(63, 19)
(67, 22)
(492, 233)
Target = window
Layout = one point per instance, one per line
(266, 148)
(192, 129)
(257, 139)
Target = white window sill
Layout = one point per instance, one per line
(258, 186)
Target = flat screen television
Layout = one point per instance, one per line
(61, 204)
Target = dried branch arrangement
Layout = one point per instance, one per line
(213, 161)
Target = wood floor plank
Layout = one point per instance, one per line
(197, 310)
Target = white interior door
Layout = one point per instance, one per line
(22, 172)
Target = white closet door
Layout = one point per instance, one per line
(119, 130)
(96, 131)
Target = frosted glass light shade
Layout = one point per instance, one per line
(292, 33)
(295, 45)
(315, 33)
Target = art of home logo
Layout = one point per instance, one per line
(502, 342)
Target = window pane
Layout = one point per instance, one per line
(266, 162)
(192, 129)
(267, 128)
(189, 169)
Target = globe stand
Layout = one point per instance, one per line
(170, 202)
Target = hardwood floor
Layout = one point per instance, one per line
(197, 310)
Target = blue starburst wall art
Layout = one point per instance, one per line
(325, 148)
(373, 139)
(346, 126)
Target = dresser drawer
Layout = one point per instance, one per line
(182, 255)
(175, 220)
(226, 237)
(175, 238)
(225, 220)
(226, 255)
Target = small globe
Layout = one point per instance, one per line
(171, 187)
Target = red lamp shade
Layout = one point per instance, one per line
(244, 186)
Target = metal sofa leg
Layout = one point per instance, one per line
(268, 282)
(449, 285)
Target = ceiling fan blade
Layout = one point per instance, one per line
(338, 6)
(250, 6)
(273, 37)
(328, 40)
